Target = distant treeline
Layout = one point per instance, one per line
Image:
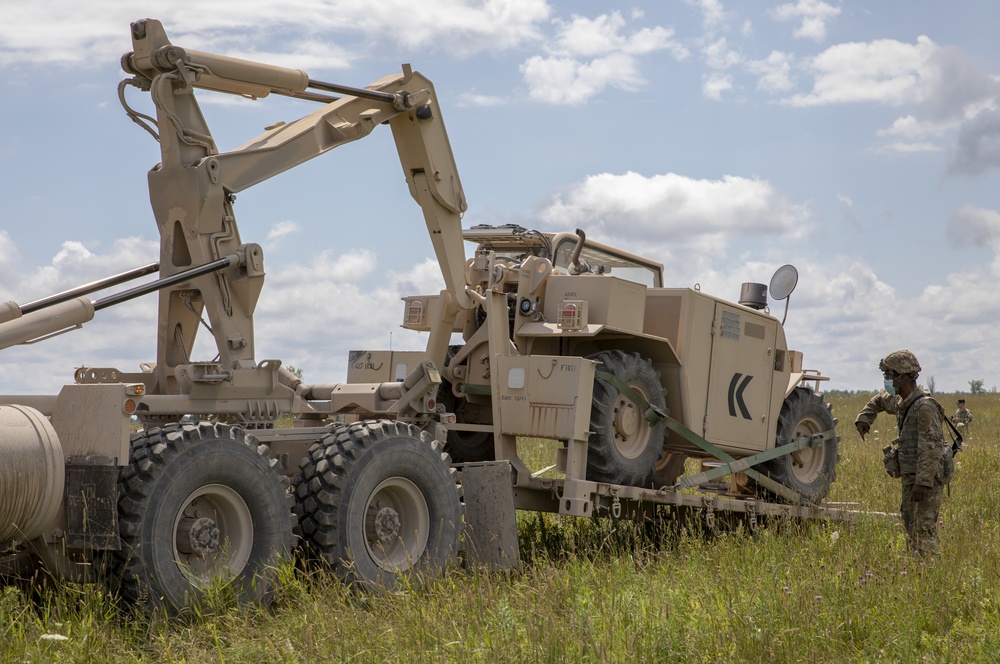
(854, 393)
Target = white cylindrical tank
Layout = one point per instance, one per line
(32, 473)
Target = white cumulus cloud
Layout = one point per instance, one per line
(972, 226)
(713, 85)
(713, 14)
(282, 229)
(557, 80)
(883, 71)
(812, 15)
(674, 208)
(322, 34)
(589, 55)
(774, 72)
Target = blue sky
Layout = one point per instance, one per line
(858, 141)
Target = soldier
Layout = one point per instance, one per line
(963, 418)
(923, 459)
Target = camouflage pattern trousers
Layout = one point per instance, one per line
(921, 519)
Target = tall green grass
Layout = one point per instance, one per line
(605, 591)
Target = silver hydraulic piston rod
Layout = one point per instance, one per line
(69, 310)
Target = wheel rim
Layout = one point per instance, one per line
(213, 534)
(397, 524)
(631, 429)
(807, 463)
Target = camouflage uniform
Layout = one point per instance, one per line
(922, 450)
(963, 418)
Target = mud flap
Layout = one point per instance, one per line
(490, 523)
(92, 503)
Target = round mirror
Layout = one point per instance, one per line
(783, 282)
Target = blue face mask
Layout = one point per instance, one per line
(889, 385)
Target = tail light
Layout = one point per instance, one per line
(573, 314)
(415, 312)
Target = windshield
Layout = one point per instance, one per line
(606, 262)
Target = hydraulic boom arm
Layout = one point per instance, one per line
(193, 188)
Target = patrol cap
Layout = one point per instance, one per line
(960, 401)
(900, 361)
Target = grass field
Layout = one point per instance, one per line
(602, 591)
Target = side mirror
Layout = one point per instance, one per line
(782, 284)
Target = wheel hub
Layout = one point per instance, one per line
(387, 525)
(626, 420)
(807, 462)
(397, 524)
(198, 536)
(802, 457)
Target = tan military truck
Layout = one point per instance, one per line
(562, 339)
(578, 341)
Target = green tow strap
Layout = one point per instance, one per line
(655, 415)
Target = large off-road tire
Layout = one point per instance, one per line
(624, 447)
(669, 468)
(378, 500)
(200, 506)
(18, 566)
(810, 471)
(463, 446)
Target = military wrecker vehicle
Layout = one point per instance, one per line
(562, 338)
(172, 509)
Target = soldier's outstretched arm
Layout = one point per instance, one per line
(882, 402)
